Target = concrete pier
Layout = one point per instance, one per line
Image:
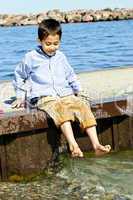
(29, 140)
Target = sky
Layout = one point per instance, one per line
(36, 6)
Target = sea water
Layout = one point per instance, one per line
(93, 178)
(88, 46)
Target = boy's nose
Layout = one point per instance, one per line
(52, 47)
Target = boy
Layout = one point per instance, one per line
(55, 87)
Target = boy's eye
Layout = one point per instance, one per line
(48, 44)
(56, 43)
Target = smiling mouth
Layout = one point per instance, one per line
(51, 53)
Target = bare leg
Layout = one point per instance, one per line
(98, 148)
(68, 133)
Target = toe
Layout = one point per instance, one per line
(101, 150)
(77, 153)
(108, 147)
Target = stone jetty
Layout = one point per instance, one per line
(74, 16)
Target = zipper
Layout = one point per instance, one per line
(52, 78)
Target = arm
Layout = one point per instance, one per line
(21, 74)
(71, 77)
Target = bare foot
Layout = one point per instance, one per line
(101, 150)
(75, 151)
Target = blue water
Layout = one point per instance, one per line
(89, 46)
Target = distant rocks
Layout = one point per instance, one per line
(73, 16)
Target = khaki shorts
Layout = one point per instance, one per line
(68, 108)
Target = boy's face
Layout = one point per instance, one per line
(50, 44)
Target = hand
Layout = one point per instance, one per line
(18, 103)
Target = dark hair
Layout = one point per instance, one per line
(49, 27)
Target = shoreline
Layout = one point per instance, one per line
(73, 16)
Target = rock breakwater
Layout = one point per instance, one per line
(66, 17)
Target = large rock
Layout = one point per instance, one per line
(97, 16)
(17, 20)
(87, 18)
(41, 16)
(73, 17)
(56, 14)
(105, 15)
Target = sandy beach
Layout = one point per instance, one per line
(97, 85)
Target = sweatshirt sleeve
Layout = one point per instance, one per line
(21, 74)
(71, 77)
